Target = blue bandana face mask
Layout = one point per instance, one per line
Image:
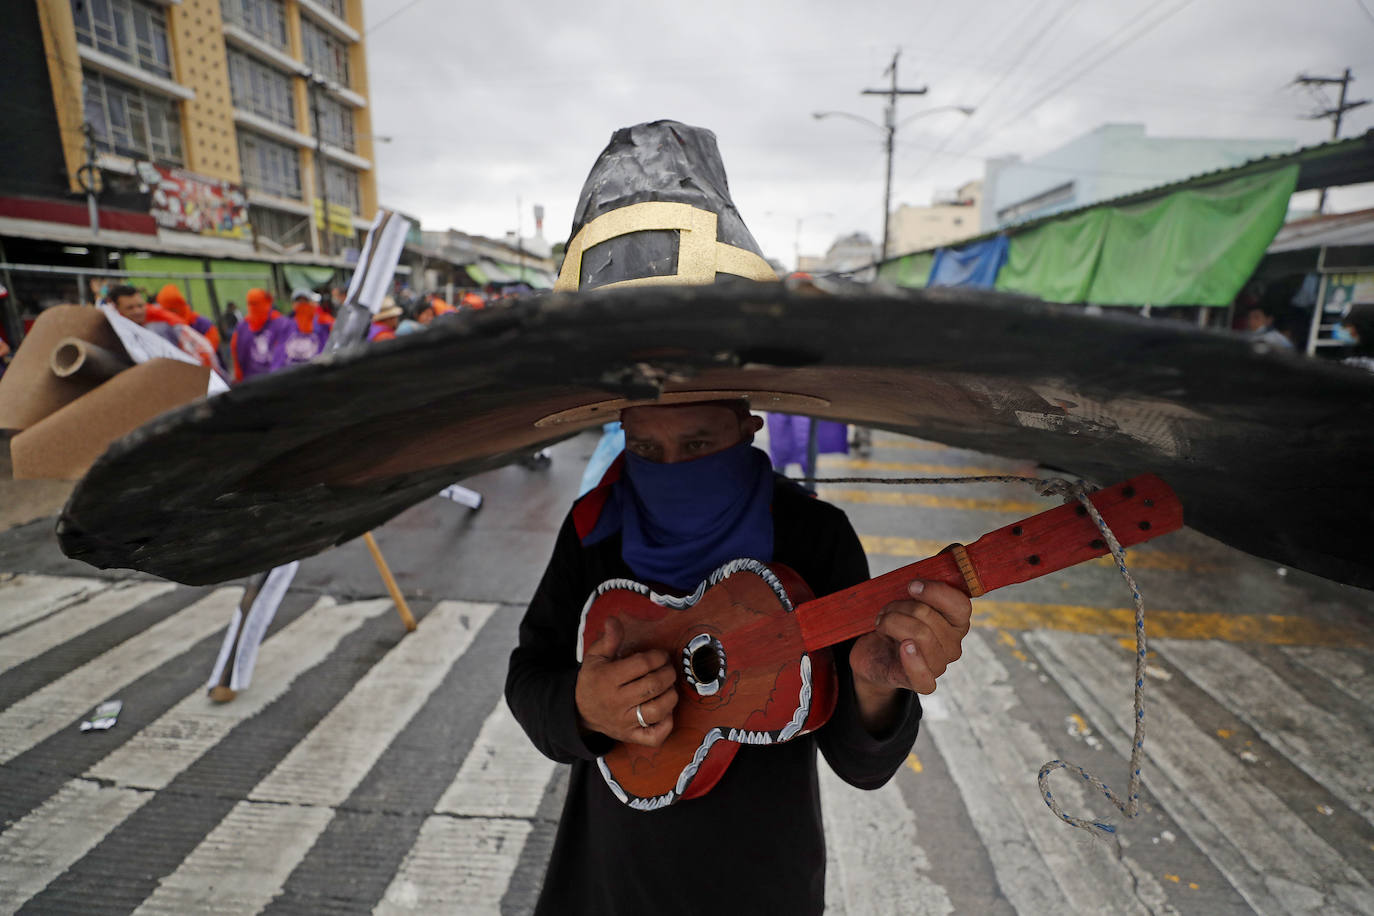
(681, 521)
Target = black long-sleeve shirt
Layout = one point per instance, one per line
(754, 843)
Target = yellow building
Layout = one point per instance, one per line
(268, 94)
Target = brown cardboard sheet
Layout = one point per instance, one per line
(29, 391)
(65, 443)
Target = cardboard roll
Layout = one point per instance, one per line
(1268, 451)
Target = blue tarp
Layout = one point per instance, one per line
(973, 265)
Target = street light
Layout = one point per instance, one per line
(889, 129)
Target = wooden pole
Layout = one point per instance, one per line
(396, 597)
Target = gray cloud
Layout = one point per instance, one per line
(487, 103)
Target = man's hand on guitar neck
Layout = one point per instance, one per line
(611, 690)
(914, 643)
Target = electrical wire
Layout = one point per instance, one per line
(1094, 61)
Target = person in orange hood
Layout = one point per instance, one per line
(171, 299)
(254, 336)
(300, 338)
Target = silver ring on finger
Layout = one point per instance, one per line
(640, 716)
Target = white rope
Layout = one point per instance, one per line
(1069, 491)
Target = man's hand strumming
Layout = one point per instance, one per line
(610, 690)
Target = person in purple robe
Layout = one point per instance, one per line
(788, 435)
(253, 337)
(301, 337)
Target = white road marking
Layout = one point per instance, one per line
(502, 776)
(457, 865)
(245, 861)
(89, 609)
(48, 840)
(1349, 672)
(56, 706)
(876, 863)
(1333, 751)
(993, 754)
(25, 598)
(1268, 853)
(467, 861)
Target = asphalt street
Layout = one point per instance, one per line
(365, 770)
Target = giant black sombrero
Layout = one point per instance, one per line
(1268, 451)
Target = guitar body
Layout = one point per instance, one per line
(751, 645)
(743, 675)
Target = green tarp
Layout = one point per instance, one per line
(912, 270)
(195, 291)
(307, 276)
(1196, 246)
(236, 291)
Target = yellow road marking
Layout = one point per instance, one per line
(889, 546)
(1006, 638)
(1267, 629)
(930, 501)
(1192, 885)
(1224, 733)
(833, 462)
(915, 763)
(915, 445)
(1173, 878)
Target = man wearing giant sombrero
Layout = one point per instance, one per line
(689, 494)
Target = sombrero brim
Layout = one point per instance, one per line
(1266, 450)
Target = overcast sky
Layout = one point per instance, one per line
(490, 103)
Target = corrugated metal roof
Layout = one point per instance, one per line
(1331, 231)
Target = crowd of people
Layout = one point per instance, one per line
(267, 338)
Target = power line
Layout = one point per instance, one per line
(388, 17)
(1108, 51)
(1006, 74)
(1364, 9)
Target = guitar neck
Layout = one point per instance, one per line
(1137, 510)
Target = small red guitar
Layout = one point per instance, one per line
(751, 641)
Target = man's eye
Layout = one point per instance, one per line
(696, 445)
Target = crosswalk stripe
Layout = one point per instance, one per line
(245, 860)
(1267, 852)
(877, 863)
(890, 546)
(88, 610)
(56, 706)
(1329, 748)
(1339, 667)
(992, 756)
(917, 445)
(26, 598)
(844, 463)
(458, 865)
(892, 497)
(47, 841)
(485, 813)
(502, 776)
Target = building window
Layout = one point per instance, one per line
(325, 54)
(264, 18)
(341, 185)
(336, 7)
(286, 229)
(336, 122)
(130, 122)
(261, 89)
(130, 30)
(269, 166)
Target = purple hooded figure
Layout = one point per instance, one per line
(787, 435)
(301, 337)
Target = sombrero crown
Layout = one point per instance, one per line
(656, 210)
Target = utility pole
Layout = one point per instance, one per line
(88, 176)
(1335, 114)
(326, 243)
(890, 125)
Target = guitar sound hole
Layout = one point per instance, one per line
(705, 664)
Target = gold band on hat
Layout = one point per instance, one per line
(699, 258)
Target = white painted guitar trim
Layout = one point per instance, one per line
(739, 736)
